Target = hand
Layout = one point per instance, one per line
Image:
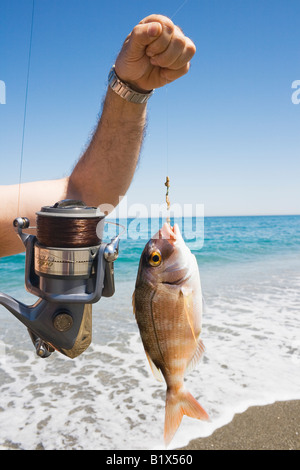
(155, 53)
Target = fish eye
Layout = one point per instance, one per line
(155, 258)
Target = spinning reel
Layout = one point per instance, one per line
(69, 268)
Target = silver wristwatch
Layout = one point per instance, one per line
(124, 90)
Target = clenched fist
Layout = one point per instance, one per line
(155, 53)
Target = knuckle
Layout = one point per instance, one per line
(187, 68)
(165, 21)
(183, 70)
(191, 49)
(179, 42)
(136, 31)
(169, 28)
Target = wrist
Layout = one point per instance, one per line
(131, 83)
(128, 90)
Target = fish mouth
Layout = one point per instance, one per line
(177, 232)
(174, 283)
(167, 232)
(178, 281)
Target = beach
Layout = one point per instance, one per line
(269, 427)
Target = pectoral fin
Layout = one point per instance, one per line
(196, 358)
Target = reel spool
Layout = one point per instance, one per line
(69, 268)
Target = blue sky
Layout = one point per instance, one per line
(227, 133)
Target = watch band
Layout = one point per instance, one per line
(124, 90)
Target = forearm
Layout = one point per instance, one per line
(25, 201)
(106, 169)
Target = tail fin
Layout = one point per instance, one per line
(177, 405)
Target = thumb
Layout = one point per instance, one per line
(144, 34)
(154, 30)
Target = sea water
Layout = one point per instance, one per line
(108, 399)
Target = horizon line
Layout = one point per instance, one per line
(205, 216)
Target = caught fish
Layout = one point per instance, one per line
(167, 302)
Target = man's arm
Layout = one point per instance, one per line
(106, 169)
(156, 52)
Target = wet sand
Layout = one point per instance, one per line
(270, 427)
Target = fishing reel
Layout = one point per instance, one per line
(69, 268)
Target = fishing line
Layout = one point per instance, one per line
(121, 229)
(167, 183)
(25, 107)
(178, 9)
(117, 225)
(70, 232)
(67, 232)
